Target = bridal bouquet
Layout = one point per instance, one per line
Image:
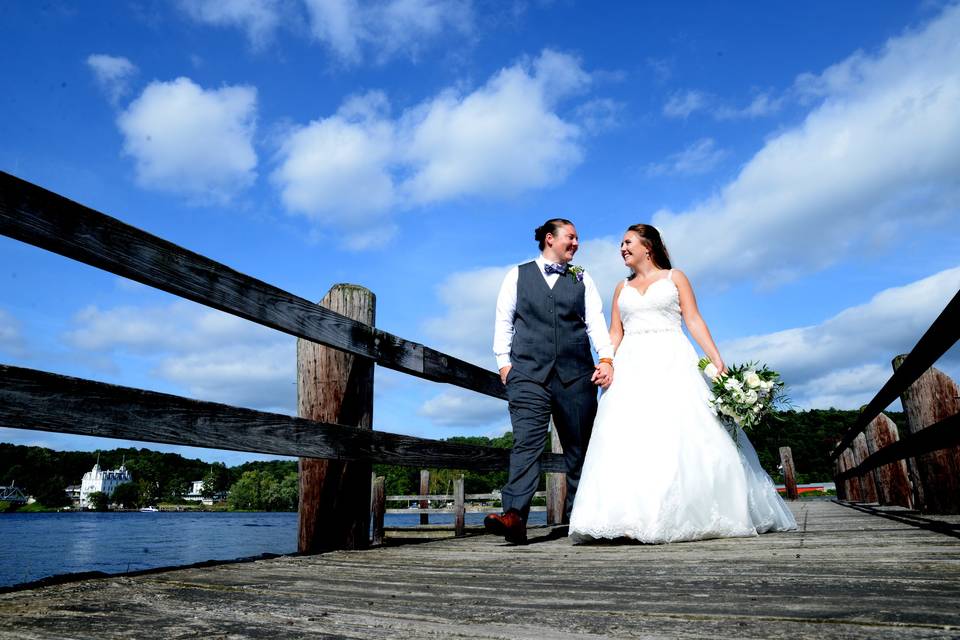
(744, 395)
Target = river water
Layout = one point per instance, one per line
(39, 545)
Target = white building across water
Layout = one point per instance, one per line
(100, 480)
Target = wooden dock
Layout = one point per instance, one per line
(844, 574)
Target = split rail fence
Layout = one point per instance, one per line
(337, 348)
(919, 469)
(333, 434)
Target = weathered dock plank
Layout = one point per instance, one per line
(844, 574)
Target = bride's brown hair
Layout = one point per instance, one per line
(650, 238)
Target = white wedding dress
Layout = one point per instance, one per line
(660, 466)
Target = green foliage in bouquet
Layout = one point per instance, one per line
(745, 395)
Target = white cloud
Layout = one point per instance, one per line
(600, 115)
(190, 140)
(253, 375)
(11, 340)
(354, 30)
(763, 104)
(847, 357)
(460, 408)
(878, 156)
(214, 356)
(337, 169)
(684, 103)
(700, 157)
(258, 18)
(466, 329)
(113, 74)
(352, 170)
(502, 139)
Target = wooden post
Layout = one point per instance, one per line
(789, 474)
(379, 508)
(424, 490)
(459, 508)
(838, 468)
(333, 386)
(933, 397)
(868, 484)
(556, 483)
(853, 484)
(893, 480)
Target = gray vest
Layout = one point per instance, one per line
(549, 330)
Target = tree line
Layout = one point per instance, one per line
(272, 485)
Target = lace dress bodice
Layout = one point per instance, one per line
(655, 310)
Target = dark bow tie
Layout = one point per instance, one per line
(558, 269)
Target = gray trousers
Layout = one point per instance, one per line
(573, 407)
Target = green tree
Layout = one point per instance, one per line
(288, 493)
(127, 495)
(98, 500)
(216, 480)
(254, 491)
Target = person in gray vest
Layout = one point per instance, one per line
(548, 312)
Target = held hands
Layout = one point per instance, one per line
(504, 371)
(603, 374)
(718, 363)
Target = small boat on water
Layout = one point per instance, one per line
(149, 510)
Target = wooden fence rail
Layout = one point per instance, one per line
(44, 219)
(31, 399)
(920, 468)
(459, 508)
(44, 401)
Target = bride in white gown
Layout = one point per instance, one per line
(660, 466)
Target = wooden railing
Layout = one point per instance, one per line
(920, 468)
(455, 503)
(31, 399)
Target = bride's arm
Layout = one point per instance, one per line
(694, 321)
(616, 325)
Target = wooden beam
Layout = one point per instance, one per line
(941, 335)
(47, 220)
(945, 433)
(42, 401)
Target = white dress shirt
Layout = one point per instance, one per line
(507, 308)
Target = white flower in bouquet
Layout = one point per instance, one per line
(743, 396)
(711, 371)
(732, 384)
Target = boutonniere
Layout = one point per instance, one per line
(575, 272)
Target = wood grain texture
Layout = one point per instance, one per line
(424, 490)
(941, 335)
(377, 504)
(31, 399)
(556, 483)
(868, 485)
(44, 219)
(335, 386)
(789, 473)
(931, 399)
(893, 479)
(843, 575)
(459, 506)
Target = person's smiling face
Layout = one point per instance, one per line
(562, 245)
(632, 249)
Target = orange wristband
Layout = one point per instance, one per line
(608, 361)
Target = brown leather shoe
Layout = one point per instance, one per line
(509, 525)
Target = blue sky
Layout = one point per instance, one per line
(800, 159)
